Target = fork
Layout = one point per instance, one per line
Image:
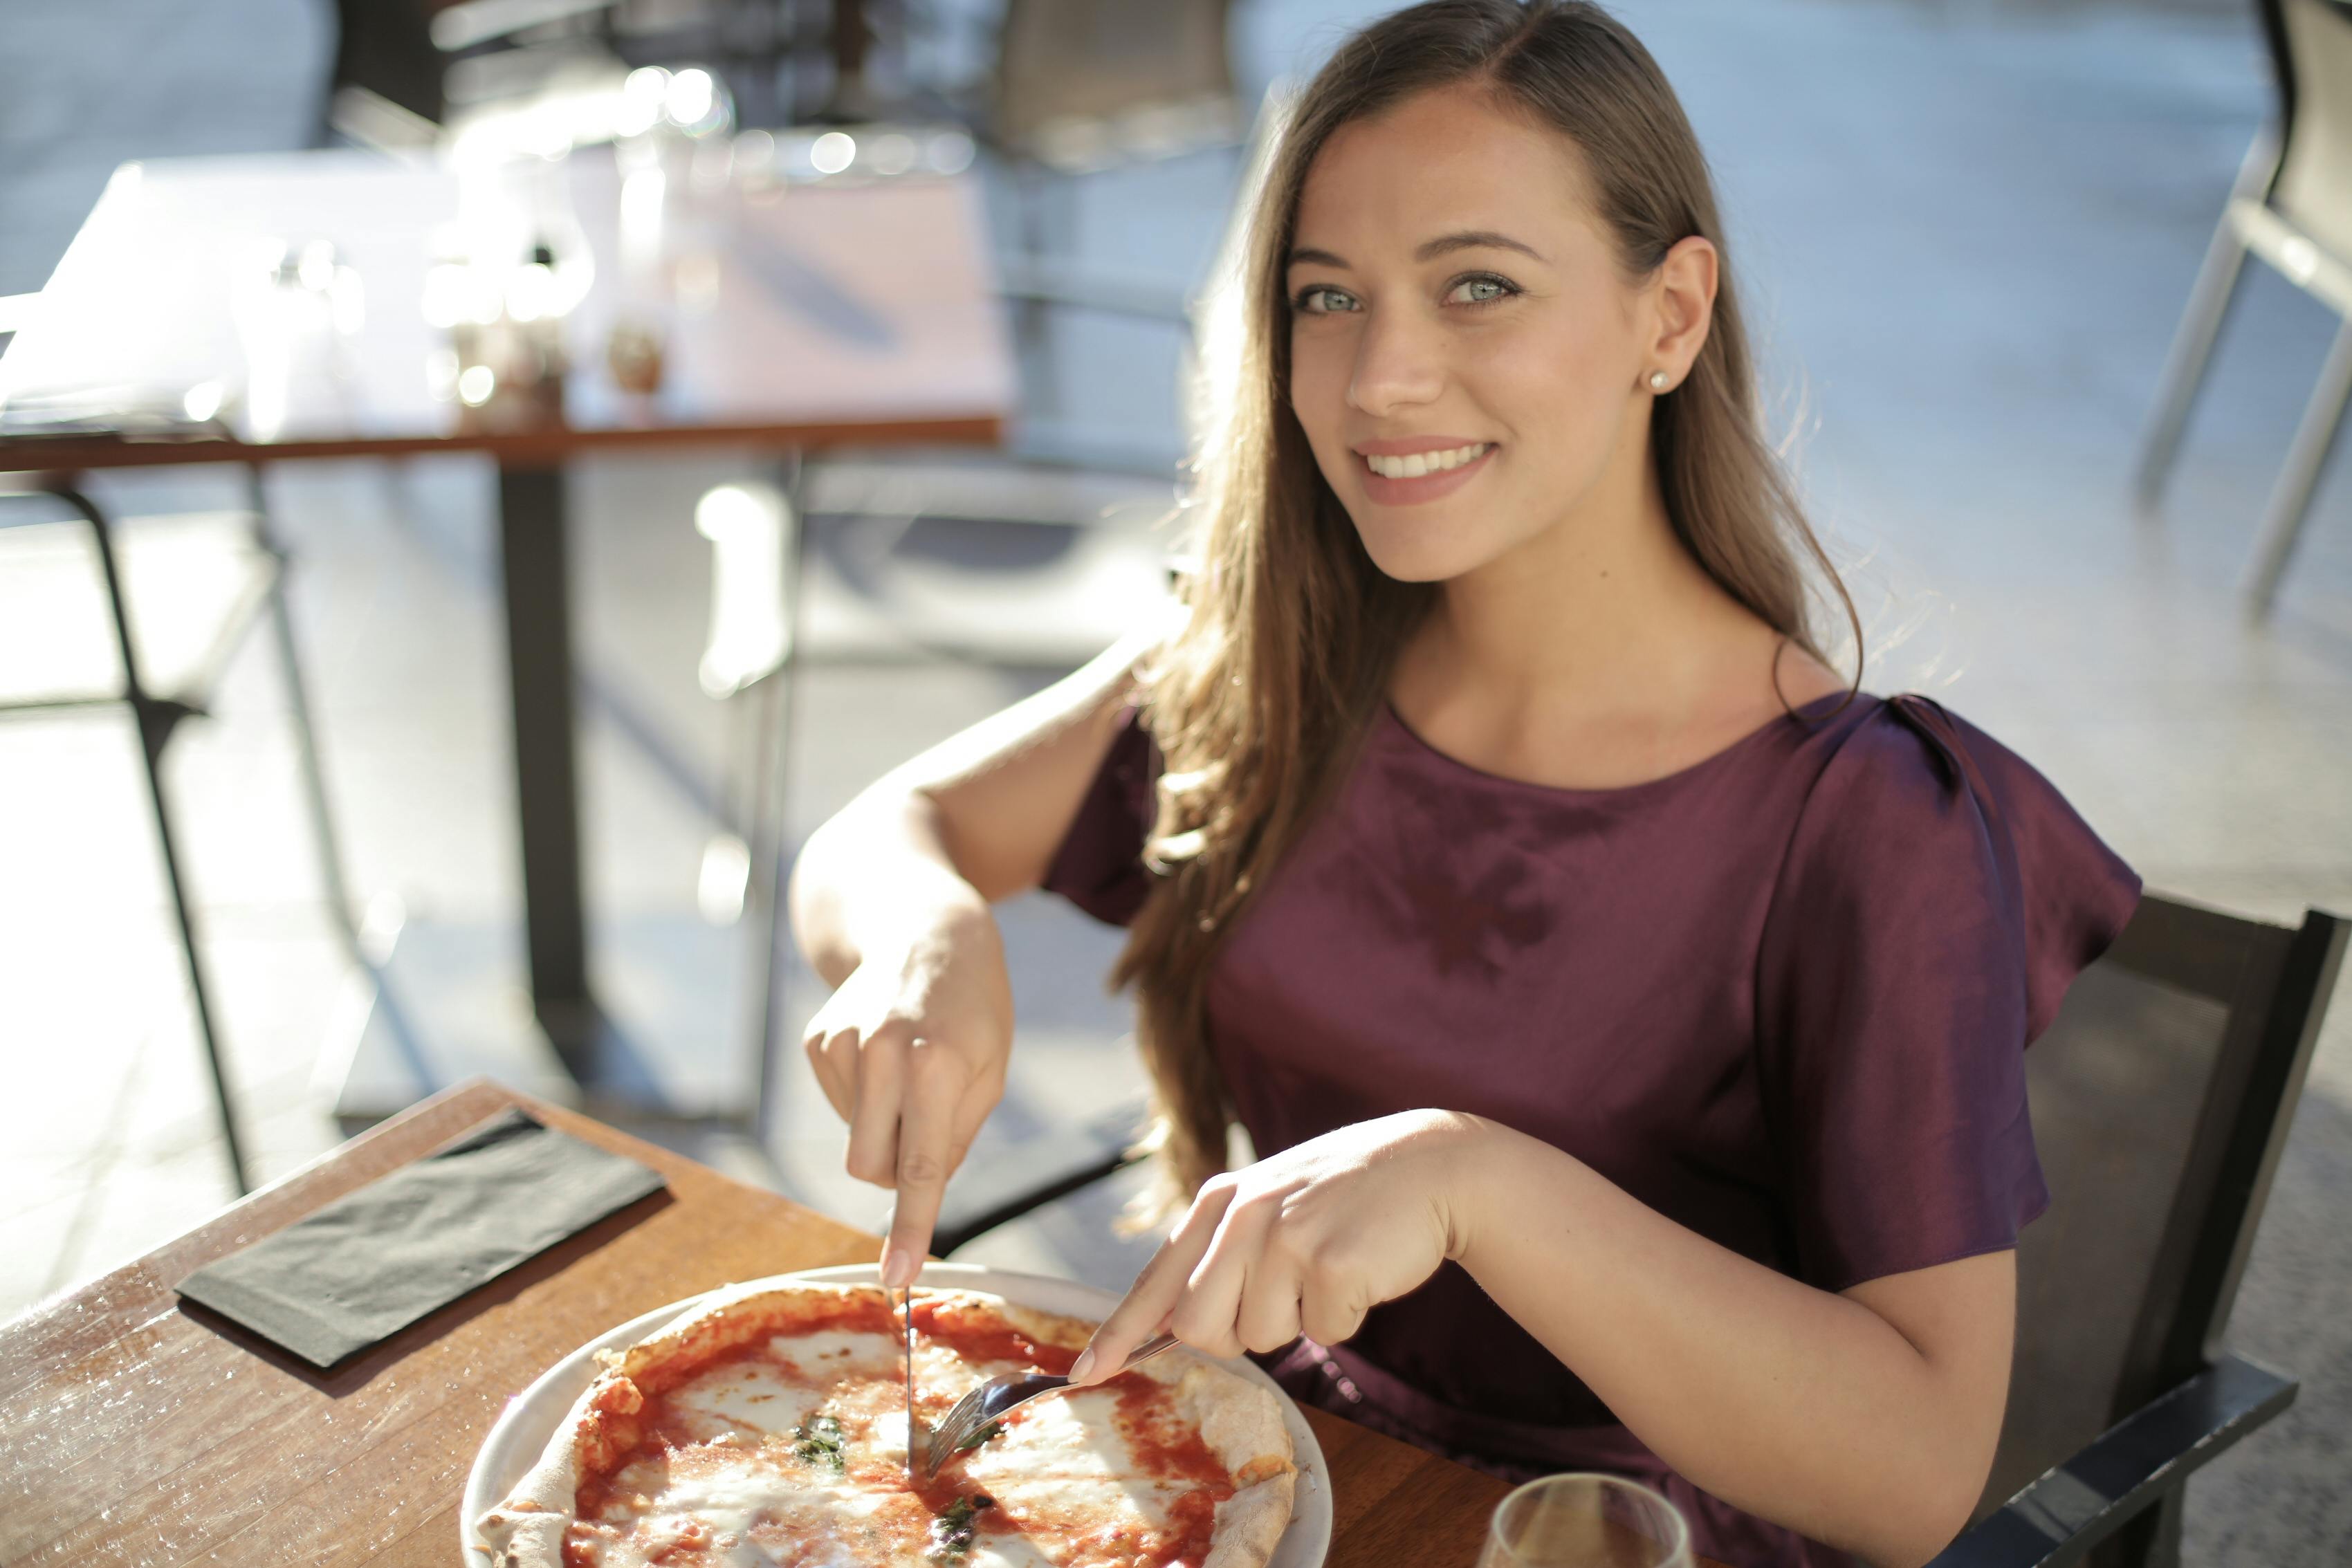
(994, 1399)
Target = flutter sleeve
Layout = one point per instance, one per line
(1938, 898)
(1099, 865)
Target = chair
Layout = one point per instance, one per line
(2291, 206)
(385, 88)
(755, 533)
(1082, 87)
(1078, 87)
(407, 73)
(1052, 472)
(240, 555)
(2161, 1099)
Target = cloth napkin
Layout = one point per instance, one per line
(368, 1265)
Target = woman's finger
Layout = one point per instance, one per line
(1330, 1313)
(934, 1085)
(826, 1048)
(1207, 1315)
(1339, 1283)
(1156, 1291)
(875, 1106)
(1268, 1315)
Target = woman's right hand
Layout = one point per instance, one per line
(911, 1049)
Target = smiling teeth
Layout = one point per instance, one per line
(1421, 463)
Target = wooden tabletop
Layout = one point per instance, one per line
(793, 315)
(131, 1432)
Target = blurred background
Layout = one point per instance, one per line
(1968, 231)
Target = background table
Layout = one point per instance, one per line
(803, 317)
(132, 1432)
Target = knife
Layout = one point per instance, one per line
(915, 1433)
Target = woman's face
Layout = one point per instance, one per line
(1455, 300)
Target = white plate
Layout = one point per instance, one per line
(530, 1419)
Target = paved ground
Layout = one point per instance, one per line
(1968, 229)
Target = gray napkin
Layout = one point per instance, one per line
(370, 1264)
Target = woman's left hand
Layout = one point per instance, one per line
(1307, 1241)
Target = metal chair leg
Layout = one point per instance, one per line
(1032, 333)
(768, 813)
(2184, 366)
(764, 889)
(314, 777)
(155, 720)
(2315, 438)
(2200, 325)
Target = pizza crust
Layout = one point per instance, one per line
(1242, 1424)
(1239, 1420)
(1251, 1522)
(526, 1530)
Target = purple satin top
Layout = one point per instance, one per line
(1781, 996)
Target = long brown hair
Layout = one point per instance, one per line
(1258, 703)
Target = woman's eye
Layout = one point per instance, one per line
(1485, 290)
(1322, 299)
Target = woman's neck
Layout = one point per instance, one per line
(1599, 652)
(1606, 607)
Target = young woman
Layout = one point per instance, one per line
(1628, 1015)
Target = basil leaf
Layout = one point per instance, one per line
(954, 1532)
(819, 1443)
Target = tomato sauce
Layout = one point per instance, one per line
(1191, 1525)
(1165, 1446)
(983, 1340)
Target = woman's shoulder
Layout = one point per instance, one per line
(1915, 815)
(1909, 753)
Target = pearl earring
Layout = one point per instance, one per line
(1658, 379)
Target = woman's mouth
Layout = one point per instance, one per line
(1424, 476)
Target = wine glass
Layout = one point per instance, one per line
(1586, 1522)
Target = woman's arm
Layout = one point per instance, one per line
(889, 904)
(1867, 1419)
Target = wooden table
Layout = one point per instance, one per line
(799, 317)
(133, 1433)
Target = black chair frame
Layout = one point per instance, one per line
(2188, 1400)
(158, 715)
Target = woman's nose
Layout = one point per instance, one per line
(1399, 363)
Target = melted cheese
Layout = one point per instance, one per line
(1059, 1504)
(743, 1512)
(827, 1354)
(755, 1397)
(1068, 1434)
(744, 1508)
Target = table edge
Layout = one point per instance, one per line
(545, 447)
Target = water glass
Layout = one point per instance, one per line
(1586, 1522)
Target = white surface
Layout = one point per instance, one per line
(522, 1429)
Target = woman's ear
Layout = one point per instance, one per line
(1684, 291)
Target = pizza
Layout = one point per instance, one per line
(767, 1426)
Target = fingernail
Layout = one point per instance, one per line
(898, 1269)
(1084, 1364)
